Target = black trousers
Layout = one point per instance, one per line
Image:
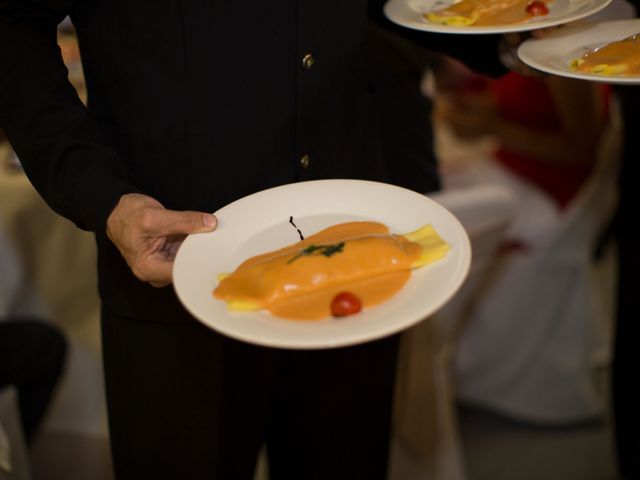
(626, 360)
(626, 388)
(32, 355)
(185, 402)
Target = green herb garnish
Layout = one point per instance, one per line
(326, 250)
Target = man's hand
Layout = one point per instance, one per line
(148, 235)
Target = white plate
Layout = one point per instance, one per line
(553, 54)
(260, 222)
(408, 13)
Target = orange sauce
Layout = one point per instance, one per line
(372, 263)
(487, 13)
(621, 57)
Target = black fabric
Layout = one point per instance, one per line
(212, 402)
(626, 388)
(32, 358)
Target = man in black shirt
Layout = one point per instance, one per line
(192, 105)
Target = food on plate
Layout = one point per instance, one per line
(620, 57)
(301, 280)
(486, 13)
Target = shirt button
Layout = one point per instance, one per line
(304, 161)
(308, 61)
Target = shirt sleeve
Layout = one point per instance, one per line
(53, 134)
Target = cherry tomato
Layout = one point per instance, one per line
(345, 303)
(537, 8)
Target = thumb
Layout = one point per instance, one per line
(171, 222)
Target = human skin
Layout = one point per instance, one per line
(148, 235)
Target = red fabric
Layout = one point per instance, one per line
(528, 102)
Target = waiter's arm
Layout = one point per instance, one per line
(56, 139)
(63, 152)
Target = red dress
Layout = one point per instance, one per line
(527, 101)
